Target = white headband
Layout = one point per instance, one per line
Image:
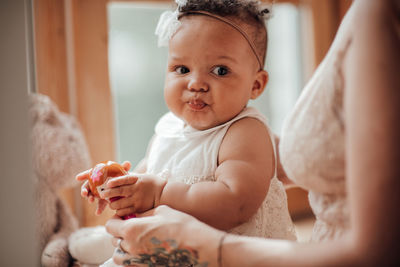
(169, 23)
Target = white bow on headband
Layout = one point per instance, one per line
(169, 22)
(167, 25)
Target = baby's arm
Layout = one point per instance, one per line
(246, 165)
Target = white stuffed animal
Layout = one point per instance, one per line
(91, 246)
(59, 152)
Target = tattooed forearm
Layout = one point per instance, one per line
(167, 253)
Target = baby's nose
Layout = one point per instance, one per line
(197, 83)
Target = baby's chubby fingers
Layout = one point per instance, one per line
(83, 175)
(101, 205)
(85, 192)
(119, 187)
(128, 179)
(126, 165)
(85, 189)
(126, 211)
(122, 203)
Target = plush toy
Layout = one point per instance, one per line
(91, 246)
(59, 152)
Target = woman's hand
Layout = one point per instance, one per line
(139, 192)
(164, 237)
(85, 190)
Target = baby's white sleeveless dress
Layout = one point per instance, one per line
(182, 153)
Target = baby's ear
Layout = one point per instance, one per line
(259, 84)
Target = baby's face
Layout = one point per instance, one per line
(211, 72)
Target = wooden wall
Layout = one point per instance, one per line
(326, 17)
(72, 68)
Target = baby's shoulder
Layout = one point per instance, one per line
(248, 133)
(248, 142)
(247, 125)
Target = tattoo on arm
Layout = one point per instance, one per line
(167, 253)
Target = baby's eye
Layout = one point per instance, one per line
(182, 70)
(220, 71)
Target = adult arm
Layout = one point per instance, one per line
(372, 104)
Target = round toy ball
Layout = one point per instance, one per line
(100, 174)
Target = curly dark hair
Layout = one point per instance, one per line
(246, 12)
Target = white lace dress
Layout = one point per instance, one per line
(312, 147)
(182, 153)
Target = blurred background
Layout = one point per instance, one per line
(98, 60)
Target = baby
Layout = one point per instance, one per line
(211, 156)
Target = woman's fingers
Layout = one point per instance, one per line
(118, 227)
(135, 234)
(114, 226)
(120, 257)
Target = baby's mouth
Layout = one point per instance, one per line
(196, 104)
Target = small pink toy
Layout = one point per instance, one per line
(100, 174)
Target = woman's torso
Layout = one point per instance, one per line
(312, 146)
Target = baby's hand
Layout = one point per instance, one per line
(85, 189)
(140, 193)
